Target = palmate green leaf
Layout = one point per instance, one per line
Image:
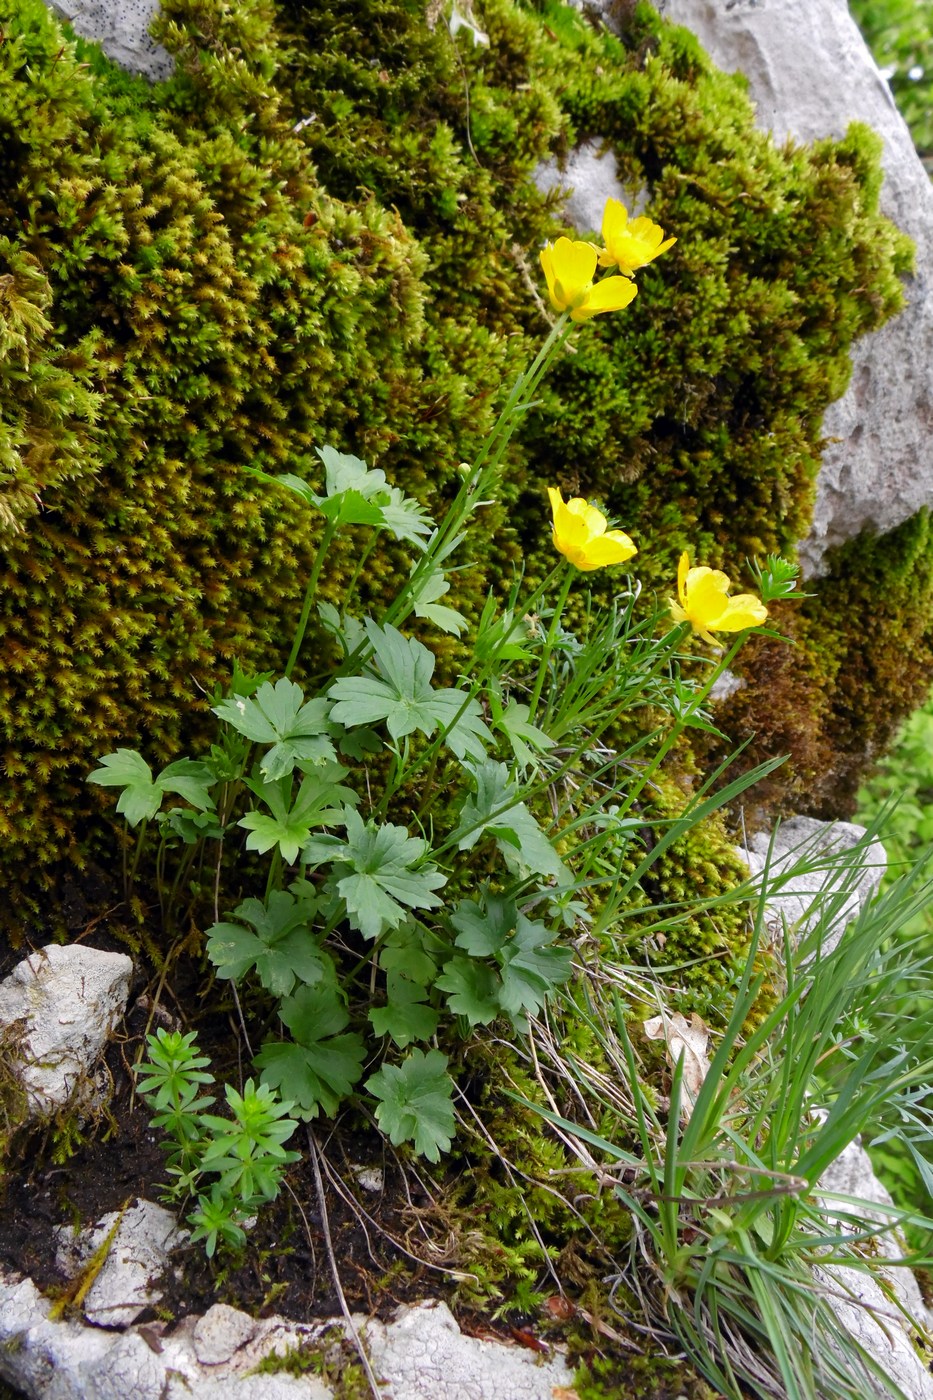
(482, 926)
(402, 696)
(321, 800)
(360, 495)
(278, 715)
(472, 989)
(344, 472)
(494, 810)
(350, 508)
(406, 519)
(531, 967)
(415, 1102)
(462, 716)
(406, 1015)
(425, 594)
(407, 949)
(142, 794)
(380, 869)
(321, 1067)
(283, 948)
(525, 738)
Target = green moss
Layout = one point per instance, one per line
(324, 229)
(863, 659)
(645, 1377)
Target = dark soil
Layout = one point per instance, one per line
(285, 1268)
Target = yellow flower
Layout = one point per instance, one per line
(580, 534)
(630, 245)
(706, 605)
(569, 269)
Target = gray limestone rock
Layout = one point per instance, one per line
(853, 1175)
(424, 1354)
(421, 1355)
(58, 1008)
(810, 74)
(587, 179)
(798, 896)
(121, 27)
(220, 1333)
(137, 1255)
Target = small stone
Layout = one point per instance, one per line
(803, 895)
(137, 1255)
(121, 27)
(370, 1178)
(423, 1353)
(60, 1006)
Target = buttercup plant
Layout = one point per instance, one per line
(424, 864)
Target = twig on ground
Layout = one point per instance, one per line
(335, 1272)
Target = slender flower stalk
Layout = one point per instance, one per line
(330, 530)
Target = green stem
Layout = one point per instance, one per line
(668, 742)
(549, 640)
(360, 566)
(140, 842)
(680, 724)
(276, 865)
(484, 467)
(326, 539)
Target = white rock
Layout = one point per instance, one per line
(423, 1355)
(852, 1174)
(137, 1255)
(370, 1178)
(810, 75)
(64, 1360)
(587, 179)
(868, 1315)
(797, 898)
(121, 27)
(220, 1333)
(61, 1005)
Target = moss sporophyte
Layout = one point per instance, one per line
(706, 605)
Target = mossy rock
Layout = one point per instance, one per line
(323, 229)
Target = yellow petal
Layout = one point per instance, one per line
(744, 610)
(579, 521)
(706, 596)
(615, 217)
(615, 547)
(683, 568)
(611, 294)
(573, 264)
(592, 519)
